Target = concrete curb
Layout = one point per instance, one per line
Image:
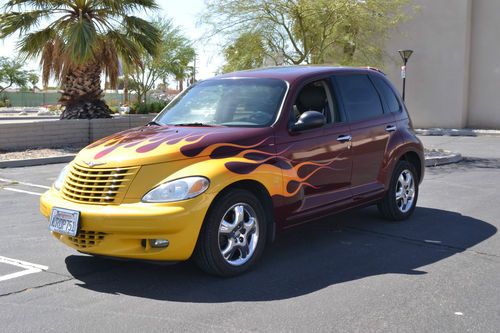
(456, 132)
(446, 158)
(36, 161)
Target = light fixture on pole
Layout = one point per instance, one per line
(405, 55)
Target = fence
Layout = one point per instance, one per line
(34, 99)
(61, 133)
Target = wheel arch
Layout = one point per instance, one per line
(414, 158)
(261, 192)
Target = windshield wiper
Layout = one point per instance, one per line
(154, 123)
(194, 124)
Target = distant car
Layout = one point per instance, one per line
(235, 159)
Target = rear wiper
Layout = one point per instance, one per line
(154, 123)
(194, 124)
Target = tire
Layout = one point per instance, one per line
(393, 207)
(233, 247)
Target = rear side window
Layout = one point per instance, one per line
(388, 94)
(361, 100)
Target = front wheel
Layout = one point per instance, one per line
(400, 199)
(233, 234)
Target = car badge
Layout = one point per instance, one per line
(92, 164)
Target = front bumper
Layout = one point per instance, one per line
(120, 230)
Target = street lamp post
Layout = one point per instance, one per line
(405, 55)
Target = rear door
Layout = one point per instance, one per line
(371, 129)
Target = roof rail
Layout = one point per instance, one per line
(375, 69)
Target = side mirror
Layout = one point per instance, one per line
(309, 120)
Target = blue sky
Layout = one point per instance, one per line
(185, 15)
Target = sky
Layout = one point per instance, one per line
(185, 14)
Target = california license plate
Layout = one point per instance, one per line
(64, 221)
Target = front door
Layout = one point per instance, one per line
(320, 159)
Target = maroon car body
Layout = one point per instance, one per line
(363, 173)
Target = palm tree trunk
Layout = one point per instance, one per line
(82, 94)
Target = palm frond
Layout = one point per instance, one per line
(143, 32)
(37, 4)
(21, 22)
(81, 41)
(32, 44)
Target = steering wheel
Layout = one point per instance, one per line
(260, 117)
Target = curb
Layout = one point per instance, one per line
(448, 158)
(456, 132)
(36, 161)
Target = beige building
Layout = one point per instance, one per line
(453, 78)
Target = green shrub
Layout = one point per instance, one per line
(5, 102)
(145, 108)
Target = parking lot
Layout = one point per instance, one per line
(439, 271)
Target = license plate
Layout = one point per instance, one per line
(64, 221)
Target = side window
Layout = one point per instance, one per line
(315, 96)
(361, 100)
(388, 94)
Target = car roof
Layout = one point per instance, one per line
(293, 73)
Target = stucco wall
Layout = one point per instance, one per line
(437, 75)
(484, 92)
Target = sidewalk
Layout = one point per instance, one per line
(472, 147)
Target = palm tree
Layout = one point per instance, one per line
(77, 41)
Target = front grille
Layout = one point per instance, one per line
(86, 239)
(97, 185)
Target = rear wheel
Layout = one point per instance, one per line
(233, 235)
(401, 198)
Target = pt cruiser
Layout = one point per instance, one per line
(235, 159)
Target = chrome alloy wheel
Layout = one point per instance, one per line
(405, 191)
(238, 234)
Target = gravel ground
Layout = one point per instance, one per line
(37, 153)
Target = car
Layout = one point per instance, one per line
(236, 159)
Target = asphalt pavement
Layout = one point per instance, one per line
(439, 271)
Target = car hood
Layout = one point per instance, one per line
(157, 144)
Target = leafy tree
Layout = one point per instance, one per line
(310, 31)
(246, 52)
(77, 41)
(171, 59)
(13, 74)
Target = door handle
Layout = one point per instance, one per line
(344, 138)
(390, 128)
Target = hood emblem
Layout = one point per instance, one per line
(92, 164)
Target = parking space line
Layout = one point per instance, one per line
(24, 183)
(29, 268)
(20, 191)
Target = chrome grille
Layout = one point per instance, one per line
(101, 186)
(86, 239)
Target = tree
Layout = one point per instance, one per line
(13, 74)
(310, 31)
(171, 59)
(246, 52)
(77, 41)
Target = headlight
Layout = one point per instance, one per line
(60, 179)
(176, 190)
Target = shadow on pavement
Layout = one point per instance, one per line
(303, 260)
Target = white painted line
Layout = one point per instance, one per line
(29, 268)
(24, 183)
(20, 191)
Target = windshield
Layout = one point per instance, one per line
(245, 102)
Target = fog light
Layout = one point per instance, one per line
(159, 243)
